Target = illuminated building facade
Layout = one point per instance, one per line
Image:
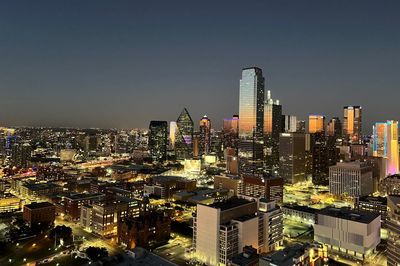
(184, 136)
(316, 124)
(352, 179)
(251, 113)
(158, 140)
(221, 230)
(289, 123)
(272, 129)
(231, 132)
(205, 135)
(349, 232)
(352, 123)
(334, 128)
(386, 144)
(393, 226)
(172, 134)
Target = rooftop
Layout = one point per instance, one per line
(285, 257)
(300, 208)
(230, 203)
(381, 200)
(347, 214)
(38, 205)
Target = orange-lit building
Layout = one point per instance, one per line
(352, 123)
(316, 123)
(386, 144)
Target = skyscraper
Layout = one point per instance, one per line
(292, 157)
(289, 123)
(172, 134)
(184, 136)
(352, 123)
(386, 144)
(158, 140)
(316, 124)
(334, 128)
(251, 113)
(231, 132)
(205, 135)
(272, 129)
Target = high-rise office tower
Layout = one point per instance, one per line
(184, 136)
(158, 140)
(386, 144)
(353, 179)
(316, 124)
(231, 132)
(319, 157)
(21, 154)
(334, 128)
(272, 129)
(251, 113)
(352, 123)
(393, 227)
(205, 135)
(172, 134)
(289, 123)
(301, 126)
(292, 157)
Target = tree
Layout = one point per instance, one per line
(62, 231)
(96, 253)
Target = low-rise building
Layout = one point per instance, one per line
(296, 255)
(390, 185)
(71, 204)
(42, 213)
(147, 230)
(348, 232)
(300, 213)
(102, 217)
(373, 204)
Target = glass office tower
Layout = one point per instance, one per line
(386, 144)
(352, 123)
(316, 124)
(184, 136)
(272, 129)
(205, 135)
(251, 113)
(158, 140)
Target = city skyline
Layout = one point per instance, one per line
(91, 68)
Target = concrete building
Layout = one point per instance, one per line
(349, 232)
(373, 204)
(393, 226)
(352, 179)
(269, 187)
(230, 182)
(222, 230)
(103, 217)
(303, 214)
(390, 185)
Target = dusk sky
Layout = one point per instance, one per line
(124, 63)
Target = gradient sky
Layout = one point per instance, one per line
(124, 63)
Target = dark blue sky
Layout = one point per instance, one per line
(124, 63)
